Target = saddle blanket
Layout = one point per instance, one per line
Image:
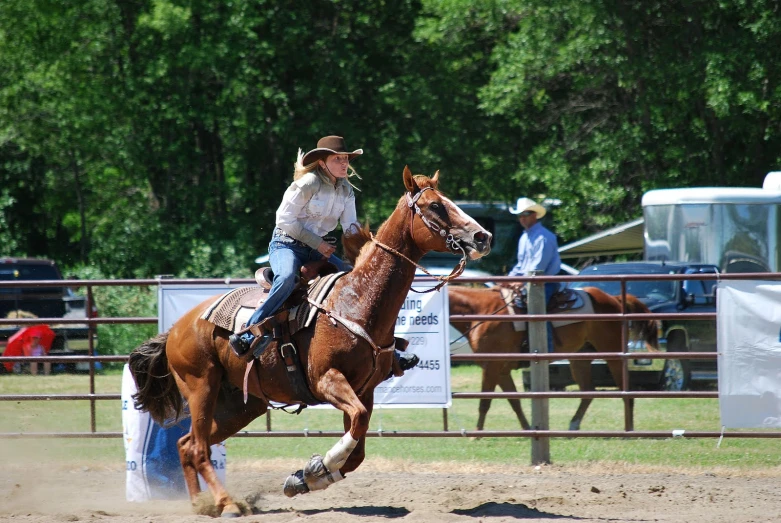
(234, 308)
(583, 298)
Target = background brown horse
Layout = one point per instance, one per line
(343, 361)
(501, 336)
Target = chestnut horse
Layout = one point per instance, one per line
(501, 336)
(345, 355)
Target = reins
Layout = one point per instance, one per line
(450, 242)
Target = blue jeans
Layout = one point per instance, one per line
(286, 257)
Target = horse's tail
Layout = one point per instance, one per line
(157, 391)
(646, 330)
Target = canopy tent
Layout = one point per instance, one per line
(626, 238)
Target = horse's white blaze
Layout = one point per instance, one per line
(455, 209)
(452, 207)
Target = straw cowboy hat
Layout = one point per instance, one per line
(527, 204)
(329, 145)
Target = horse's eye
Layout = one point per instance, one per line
(434, 206)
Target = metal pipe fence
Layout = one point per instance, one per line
(623, 393)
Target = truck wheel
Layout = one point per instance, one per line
(676, 375)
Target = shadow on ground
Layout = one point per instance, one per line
(510, 510)
(369, 511)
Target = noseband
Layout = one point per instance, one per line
(450, 242)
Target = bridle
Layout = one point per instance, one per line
(444, 232)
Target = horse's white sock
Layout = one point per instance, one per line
(339, 453)
(325, 481)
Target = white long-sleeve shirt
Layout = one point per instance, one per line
(311, 208)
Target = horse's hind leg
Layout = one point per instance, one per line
(616, 370)
(581, 373)
(491, 376)
(507, 384)
(195, 447)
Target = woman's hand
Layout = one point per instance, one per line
(326, 249)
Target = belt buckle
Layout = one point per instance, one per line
(290, 363)
(282, 350)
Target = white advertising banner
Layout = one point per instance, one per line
(423, 321)
(749, 361)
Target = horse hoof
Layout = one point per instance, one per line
(295, 484)
(231, 511)
(315, 469)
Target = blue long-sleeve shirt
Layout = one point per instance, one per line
(538, 250)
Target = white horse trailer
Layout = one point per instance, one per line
(735, 228)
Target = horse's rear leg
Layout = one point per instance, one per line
(321, 472)
(616, 370)
(507, 384)
(490, 379)
(195, 447)
(581, 373)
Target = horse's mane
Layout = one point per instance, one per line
(356, 237)
(353, 241)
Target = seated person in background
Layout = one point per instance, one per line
(33, 348)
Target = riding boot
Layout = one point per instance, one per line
(242, 344)
(402, 361)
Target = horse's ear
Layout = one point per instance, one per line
(409, 181)
(435, 179)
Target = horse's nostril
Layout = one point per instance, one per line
(483, 238)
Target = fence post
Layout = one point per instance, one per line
(540, 379)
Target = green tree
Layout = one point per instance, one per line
(615, 98)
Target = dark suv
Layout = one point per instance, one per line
(676, 335)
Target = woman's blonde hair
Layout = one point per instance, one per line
(299, 170)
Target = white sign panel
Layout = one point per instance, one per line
(423, 321)
(749, 342)
(173, 301)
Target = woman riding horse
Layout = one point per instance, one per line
(345, 354)
(320, 196)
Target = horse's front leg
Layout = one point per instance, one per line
(359, 452)
(321, 472)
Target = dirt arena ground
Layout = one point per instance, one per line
(410, 492)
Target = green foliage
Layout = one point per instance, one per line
(157, 137)
(121, 302)
(7, 239)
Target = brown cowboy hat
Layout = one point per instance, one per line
(329, 145)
